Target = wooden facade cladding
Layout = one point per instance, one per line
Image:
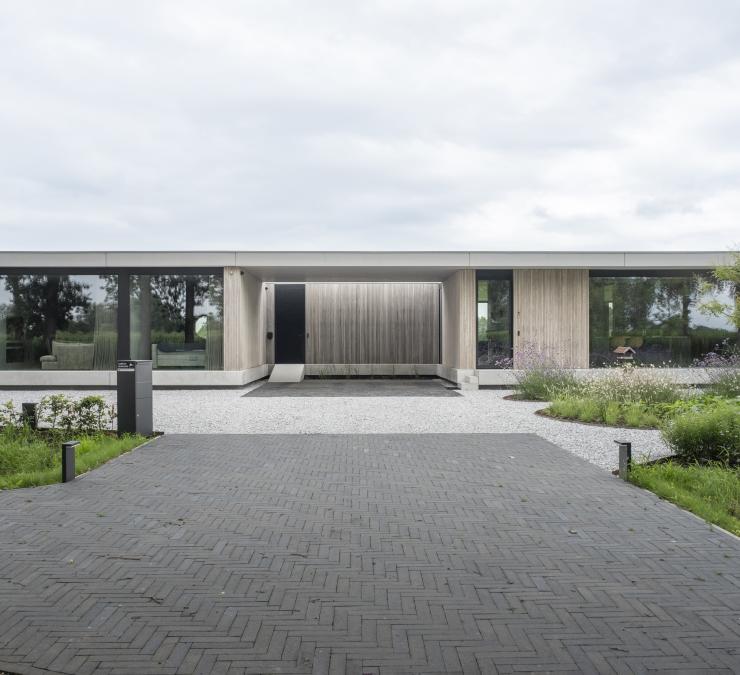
(458, 320)
(372, 323)
(551, 314)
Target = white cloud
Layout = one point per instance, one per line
(384, 125)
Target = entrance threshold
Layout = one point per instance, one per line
(288, 372)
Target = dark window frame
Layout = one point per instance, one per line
(494, 275)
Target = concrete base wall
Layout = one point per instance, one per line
(679, 375)
(20, 379)
(50, 379)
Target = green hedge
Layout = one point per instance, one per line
(705, 432)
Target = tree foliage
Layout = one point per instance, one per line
(726, 275)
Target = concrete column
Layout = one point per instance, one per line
(244, 320)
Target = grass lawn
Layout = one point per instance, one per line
(28, 458)
(711, 492)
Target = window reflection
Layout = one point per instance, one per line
(494, 339)
(177, 320)
(655, 319)
(58, 322)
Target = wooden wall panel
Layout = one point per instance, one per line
(232, 318)
(269, 291)
(372, 323)
(551, 314)
(458, 320)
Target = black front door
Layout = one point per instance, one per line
(290, 323)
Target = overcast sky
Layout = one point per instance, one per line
(394, 124)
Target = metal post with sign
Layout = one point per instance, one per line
(134, 380)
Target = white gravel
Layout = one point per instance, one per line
(225, 410)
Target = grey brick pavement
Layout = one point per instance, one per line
(439, 553)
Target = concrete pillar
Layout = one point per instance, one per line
(244, 320)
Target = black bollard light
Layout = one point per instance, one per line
(625, 458)
(29, 415)
(68, 460)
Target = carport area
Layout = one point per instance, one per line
(376, 553)
(355, 388)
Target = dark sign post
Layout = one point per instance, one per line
(134, 380)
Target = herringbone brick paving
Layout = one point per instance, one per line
(439, 553)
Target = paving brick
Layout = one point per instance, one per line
(382, 554)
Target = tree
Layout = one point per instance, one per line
(729, 277)
(46, 303)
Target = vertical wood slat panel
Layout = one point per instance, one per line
(269, 299)
(372, 323)
(458, 320)
(551, 314)
(232, 318)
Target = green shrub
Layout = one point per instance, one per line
(564, 407)
(726, 384)
(590, 411)
(638, 416)
(9, 416)
(615, 414)
(722, 368)
(543, 385)
(706, 433)
(539, 375)
(87, 415)
(612, 414)
(627, 384)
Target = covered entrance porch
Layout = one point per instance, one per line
(357, 322)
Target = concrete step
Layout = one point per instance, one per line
(288, 372)
(469, 383)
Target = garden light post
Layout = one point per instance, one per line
(29, 414)
(625, 458)
(68, 460)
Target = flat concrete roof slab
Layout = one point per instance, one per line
(382, 553)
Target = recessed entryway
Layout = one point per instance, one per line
(356, 387)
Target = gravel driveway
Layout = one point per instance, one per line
(484, 411)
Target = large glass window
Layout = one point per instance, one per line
(494, 319)
(655, 319)
(58, 321)
(177, 320)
